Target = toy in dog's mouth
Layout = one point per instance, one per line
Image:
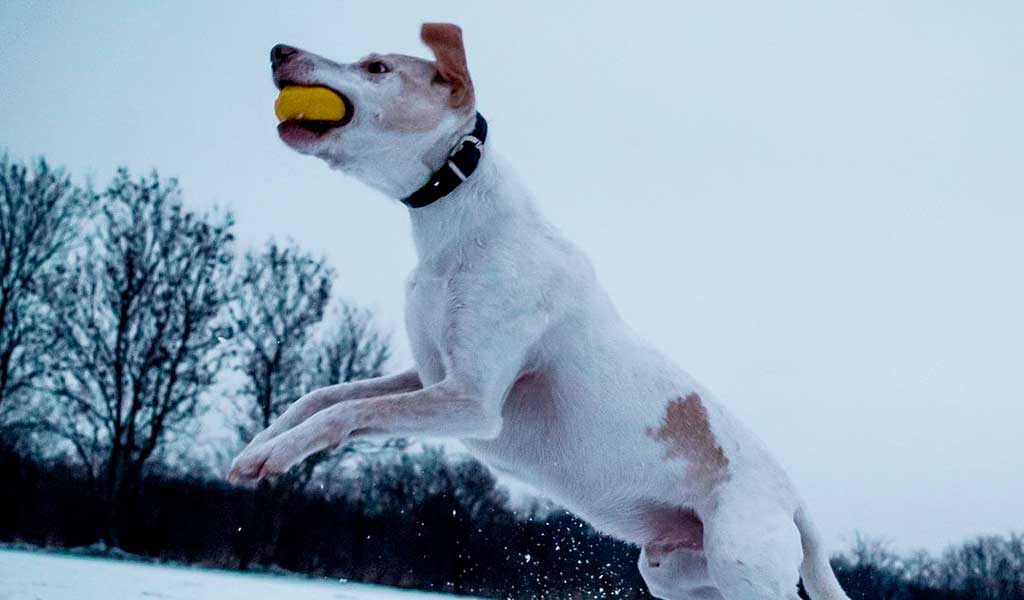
(313, 109)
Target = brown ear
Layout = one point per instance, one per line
(445, 41)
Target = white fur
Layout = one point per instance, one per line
(520, 353)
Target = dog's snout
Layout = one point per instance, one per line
(280, 53)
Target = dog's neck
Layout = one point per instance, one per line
(490, 197)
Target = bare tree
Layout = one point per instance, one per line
(40, 212)
(284, 347)
(987, 568)
(282, 295)
(138, 329)
(349, 349)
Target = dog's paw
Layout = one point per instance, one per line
(271, 459)
(248, 465)
(249, 462)
(261, 462)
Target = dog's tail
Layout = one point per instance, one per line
(815, 570)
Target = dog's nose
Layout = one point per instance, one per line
(280, 52)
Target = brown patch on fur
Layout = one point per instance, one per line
(686, 432)
(445, 41)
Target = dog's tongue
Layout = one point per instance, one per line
(309, 103)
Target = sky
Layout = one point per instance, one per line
(814, 208)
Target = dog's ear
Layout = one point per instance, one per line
(445, 41)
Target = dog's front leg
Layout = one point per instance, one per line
(326, 397)
(485, 346)
(445, 409)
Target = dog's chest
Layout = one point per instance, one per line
(436, 300)
(428, 302)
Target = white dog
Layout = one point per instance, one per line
(520, 354)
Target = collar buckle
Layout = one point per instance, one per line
(469, 138)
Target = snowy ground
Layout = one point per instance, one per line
(42, 576)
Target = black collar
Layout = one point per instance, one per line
(462, 161)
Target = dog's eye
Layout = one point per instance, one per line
(376, 67)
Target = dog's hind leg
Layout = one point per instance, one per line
(679, 574)
(753, 549)
(672, 560)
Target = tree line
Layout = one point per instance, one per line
(124, 313)
(129, 321)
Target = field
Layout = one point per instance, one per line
(44, 576)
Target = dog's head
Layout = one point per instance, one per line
(402, 113)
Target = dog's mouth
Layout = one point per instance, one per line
(310, 110)
(316, 128)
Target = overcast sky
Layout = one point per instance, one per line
(816, 210)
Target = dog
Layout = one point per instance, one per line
(520, 354)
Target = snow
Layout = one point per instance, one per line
(44, 576)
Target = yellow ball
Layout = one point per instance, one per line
(309, 103)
